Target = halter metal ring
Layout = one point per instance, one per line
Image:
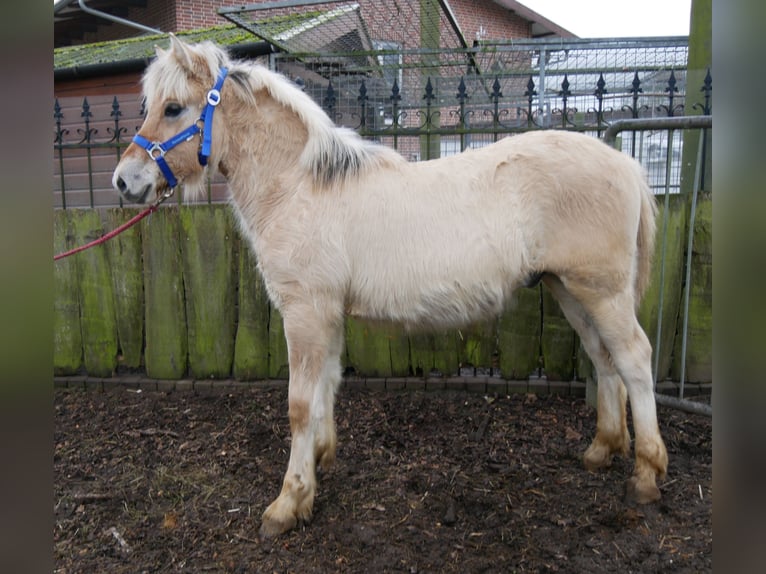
(214, 97)
(156, 146)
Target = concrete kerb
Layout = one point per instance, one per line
(479, 384)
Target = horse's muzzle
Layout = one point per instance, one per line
(135, 183)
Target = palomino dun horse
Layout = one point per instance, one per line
(341, 225)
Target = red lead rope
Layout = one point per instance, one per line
(130, 223)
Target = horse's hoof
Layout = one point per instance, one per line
(640, 493)
(271, 528)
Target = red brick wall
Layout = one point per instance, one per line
(486, 20)
(192, 14)
(159, 14)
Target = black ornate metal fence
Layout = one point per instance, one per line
(428, 103)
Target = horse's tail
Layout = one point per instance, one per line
(645, 239)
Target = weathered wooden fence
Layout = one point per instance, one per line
(179, 296)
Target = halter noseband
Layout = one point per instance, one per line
(157, 150)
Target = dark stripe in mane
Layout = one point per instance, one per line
(242, 79)
(341, 157)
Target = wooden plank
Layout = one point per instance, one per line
(699, 344)
(519, 335)
(67, 334)
(279, 365)
(399, 351)
(422, 353)
(435, 353)
(477, 343)
(446, 356)
(97, 315)
(584, 368)
(165, 354)
(251, 347)
(557, 340)
(124, 252)
(368, 347)
(649, 309)
(209, 286)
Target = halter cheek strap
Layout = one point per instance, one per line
(157, 150)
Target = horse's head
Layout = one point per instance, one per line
(182, 88)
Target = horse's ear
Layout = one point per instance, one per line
(181, 52)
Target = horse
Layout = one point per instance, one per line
(340, 226)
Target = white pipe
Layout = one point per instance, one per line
(116, 19)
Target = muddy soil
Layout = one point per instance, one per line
(424, 482)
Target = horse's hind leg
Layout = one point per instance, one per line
(632, 355)
(612, 434)
(314, 345)
(614, 320)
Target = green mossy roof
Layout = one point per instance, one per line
(143, 46)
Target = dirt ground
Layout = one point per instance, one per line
(424, 482)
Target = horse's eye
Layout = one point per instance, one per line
(173, 110)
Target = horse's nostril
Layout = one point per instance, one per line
(121, 185)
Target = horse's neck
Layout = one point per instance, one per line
(261, 162)
(264, 143)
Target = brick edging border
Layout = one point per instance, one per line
(490, 385)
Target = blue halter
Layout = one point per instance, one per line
(157, 150)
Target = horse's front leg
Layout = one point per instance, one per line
(314, 346)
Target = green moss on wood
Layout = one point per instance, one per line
(519, 335)
(556, 341)
(279, 364)
(127, 275)
(251, 348)
(699, 344)
(207, 241)
(67, 335)
(368, 348)
(97, 315)
(166, 336)
(399, 351)
(649, 309)
(477, 344)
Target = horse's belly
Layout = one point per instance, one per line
(430, 304)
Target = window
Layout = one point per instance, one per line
(390, 61)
